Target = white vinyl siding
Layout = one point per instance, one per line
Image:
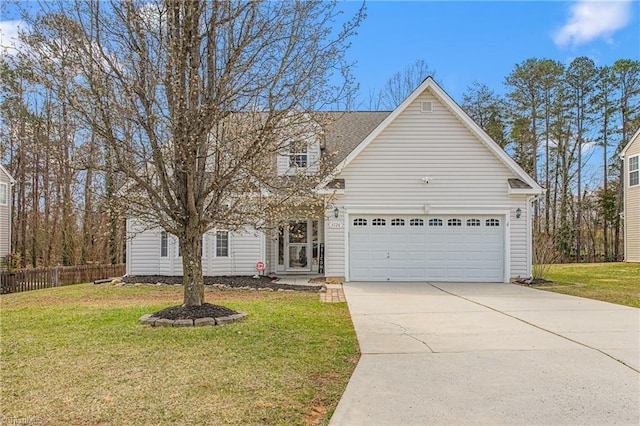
(632, 205)
(463, 173)
(143, 251)
(5, 213)
(334, 246)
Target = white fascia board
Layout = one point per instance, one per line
(633, 138)
(524, 191)
(421, 209)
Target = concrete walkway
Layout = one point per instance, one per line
(458, 354)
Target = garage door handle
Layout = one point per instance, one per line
(388, 256)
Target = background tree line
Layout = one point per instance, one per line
(551, 120)
(565, 125)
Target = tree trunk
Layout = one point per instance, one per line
(192, 280)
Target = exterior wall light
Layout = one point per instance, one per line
(518, 213)
(336, 212)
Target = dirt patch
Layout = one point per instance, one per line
(246, 282)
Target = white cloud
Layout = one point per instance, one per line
(9, 35)
(590, 20)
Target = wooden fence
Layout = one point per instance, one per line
(34, 279)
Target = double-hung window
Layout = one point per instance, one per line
(298, 154)
(222, 244)
(634, 170)
(4, 194)
(164, 244)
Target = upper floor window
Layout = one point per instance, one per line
(298, 154)
(634, 171)
(222, 244)
(164, 244)
(4, 194)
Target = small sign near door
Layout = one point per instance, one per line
(336, 225)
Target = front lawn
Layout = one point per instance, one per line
(78, 355)
(611, 282)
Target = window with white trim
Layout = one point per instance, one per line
(222, 244)
(634, 171)
(164, 244)
(298, 154)
(454, 222)
(416, 222)
(473, 222)
(4, 194)
(492, 222)
(397, 222)
(435, 222)
(360, 222)
(378, 222)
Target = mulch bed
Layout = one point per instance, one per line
(206, 310)
(533, 282)
(227, 281)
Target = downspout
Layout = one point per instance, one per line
(623, 214)
(530, 200)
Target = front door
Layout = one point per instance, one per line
(298, 246)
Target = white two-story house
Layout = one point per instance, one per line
(417, 194)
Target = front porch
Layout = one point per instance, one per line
(298, 249)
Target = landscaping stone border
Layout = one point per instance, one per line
(163, 322)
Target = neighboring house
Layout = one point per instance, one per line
(630, 156)
(417, 194)
(6, 182)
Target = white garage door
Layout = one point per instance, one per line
(426, 248)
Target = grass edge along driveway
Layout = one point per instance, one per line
(609, 282)
(78, 355)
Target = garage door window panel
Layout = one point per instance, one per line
(435, 222)
(359, 222)
(492, 222)
(454, 222)
(397, 222)
(378, 222)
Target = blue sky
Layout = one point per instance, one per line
(464, 41)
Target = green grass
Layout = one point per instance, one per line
(610, 282)
(78, 355)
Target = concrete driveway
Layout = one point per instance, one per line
(446, 353)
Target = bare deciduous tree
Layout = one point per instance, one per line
(194, 99)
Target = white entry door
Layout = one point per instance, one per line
(466, 248)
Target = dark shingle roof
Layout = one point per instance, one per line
(345, 130)
(518, 184)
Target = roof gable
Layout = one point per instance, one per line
(3, 170)
(634, 138)
(443, 97)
